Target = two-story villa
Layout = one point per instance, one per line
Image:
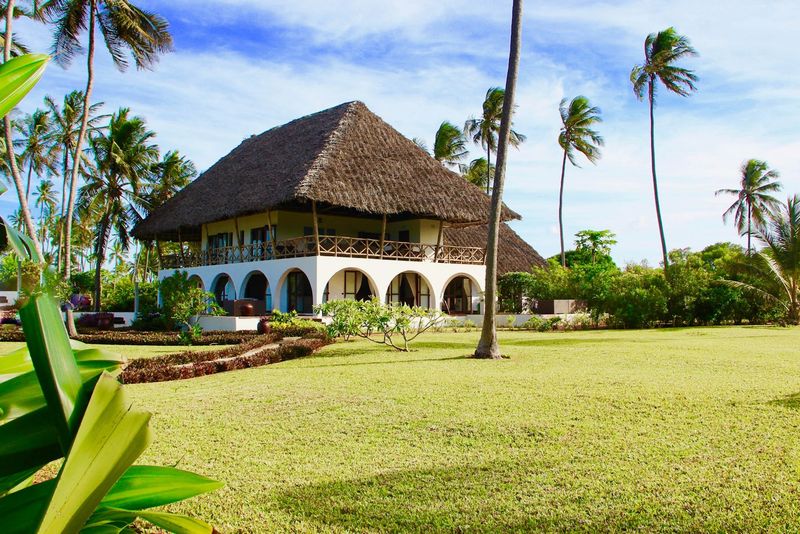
(333, 205)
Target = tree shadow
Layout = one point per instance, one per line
(789, 401)
(456, 499)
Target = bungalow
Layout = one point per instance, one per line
(333, 205)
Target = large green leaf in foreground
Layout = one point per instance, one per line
(17, 78)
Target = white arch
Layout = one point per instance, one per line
(219, 277)
(280, 289)
(199, 280)
(477, 290)
(243, 288)
(373, 286)
(433, 298)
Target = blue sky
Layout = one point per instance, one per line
(243, 66)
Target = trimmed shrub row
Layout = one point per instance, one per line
(192, 364)
(132, 337)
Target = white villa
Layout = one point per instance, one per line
(333, 205)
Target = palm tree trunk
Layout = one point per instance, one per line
(488, 167)
(28, 185)
(487, 346)
(749, 226)
(100, 253)
(655, 180)
(76, 158)
(64, 170)
(560, 209)
(12, 160)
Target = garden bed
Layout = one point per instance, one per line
(257, 351)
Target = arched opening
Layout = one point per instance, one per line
(409, 288)
(224, 289)
(299, 295)
(459, 296)
(198, 282)
(256, 288)
(349, 284)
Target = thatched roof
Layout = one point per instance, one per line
(514, 254)
(345, 157)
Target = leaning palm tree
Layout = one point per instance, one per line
(754, 203)
(122, 158)
(484, 130)
(66, 128)
(577, 119)
(13, 165)
(167, 177)
(46, 201)
(781, 256)
(662, 51)
(124, 27)
(450, 145)
(41, 150)
(487, 345)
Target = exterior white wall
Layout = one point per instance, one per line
(321, 269)
(228, 324)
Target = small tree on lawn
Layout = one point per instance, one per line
(395, 325)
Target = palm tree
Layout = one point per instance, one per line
(66, 128)
(40, 151)
(476, 172)
(781, 255)
(167, 177)
(577, 119)
(449, 146)
(421, 144)
(754, 203)
(46, 201)
(122, 156)
(124, 27)
(487, 345)
(662, 51)
(25, 212)
(484, 130)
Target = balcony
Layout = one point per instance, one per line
(347, 247)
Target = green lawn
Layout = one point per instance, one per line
(130, 351)
(668, 430)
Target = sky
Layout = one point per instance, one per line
(241, 67)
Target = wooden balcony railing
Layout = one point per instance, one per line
(348, 247)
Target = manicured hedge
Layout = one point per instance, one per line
(132, 337)
(184, 365)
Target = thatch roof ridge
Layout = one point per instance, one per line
(344, 157)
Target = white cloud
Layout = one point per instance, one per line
(205, 102)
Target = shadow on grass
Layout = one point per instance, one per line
(387, 361)
(566, 341)
(789, 401)
(457, 499)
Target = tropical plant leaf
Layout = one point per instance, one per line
(145, 486)
(10, 238)
(16, 481)
(54, 363)
(21, 510)
(22, 393)
(179, 524)
(27, 442)
(109, 439)
(17, 78)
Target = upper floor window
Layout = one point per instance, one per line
(259, 235)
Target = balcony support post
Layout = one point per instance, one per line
(316, 224)
(438, 242)
(383, 234)
(268, 237)
(180, 244)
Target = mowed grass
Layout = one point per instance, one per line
(663, 430)
(130, 351)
